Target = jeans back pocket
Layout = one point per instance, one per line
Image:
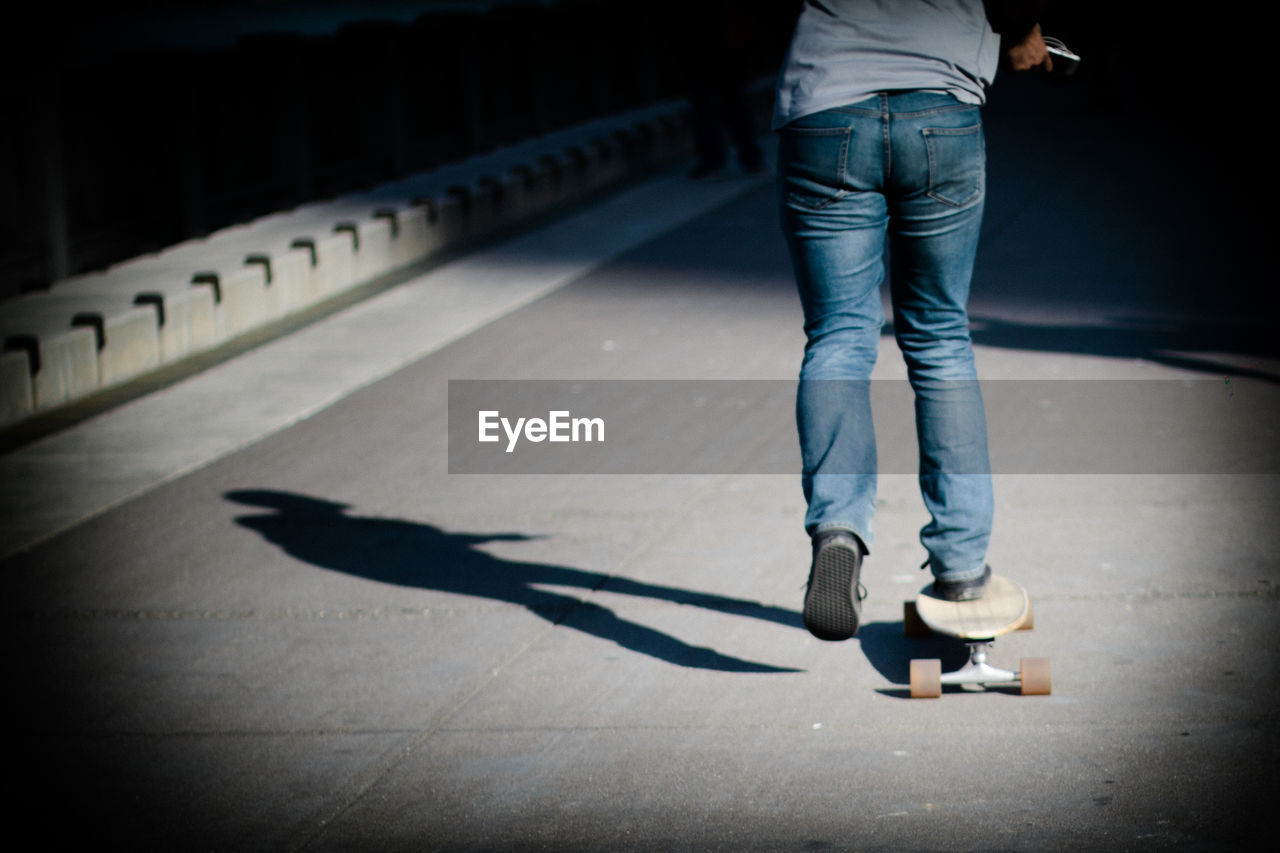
(956, 164)
(813, 164)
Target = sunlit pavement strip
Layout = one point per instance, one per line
(68, 477)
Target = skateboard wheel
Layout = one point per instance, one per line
(926, 679)
(1028, 621)
(1034, 674)
(912, 624)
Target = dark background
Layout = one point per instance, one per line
(141, 124)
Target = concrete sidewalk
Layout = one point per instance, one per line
(317, 638)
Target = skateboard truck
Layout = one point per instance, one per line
(977, 670)
(1004, 607)
(928, 679)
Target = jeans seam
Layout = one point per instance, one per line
(936, 111)
(954, 577)
(885, 128)
(846, 526)
(883, 98)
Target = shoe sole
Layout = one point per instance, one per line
(829, 611)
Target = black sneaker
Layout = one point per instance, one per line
(969, 590)
(833, 602)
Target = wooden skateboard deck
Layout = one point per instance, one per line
(1003, 607)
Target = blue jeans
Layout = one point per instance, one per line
(910, 168)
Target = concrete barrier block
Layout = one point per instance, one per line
(529, 184)
(128, 342)
(608, 161)
(451, 220)
(374, 247)
(182, 324)
(17, 392)
(391, 217)
(334, 271)
(85, 283)
(490, 204)
(601, 163)
(465, 198)
(550, 169)
(563, 178)
(548, 177)
(330, 264)
(417, 237)
(622, 159)
(276, 298)
(286, 277)
(239, 296)
(78, 342)
(187, 320)
(577, 174)
(185, 316)
(593, 159)
(62, 362)
(311, 290)
(68, 367)
(517, 198)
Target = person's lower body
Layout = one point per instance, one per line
(904, 170)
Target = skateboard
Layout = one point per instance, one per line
(1004, 607)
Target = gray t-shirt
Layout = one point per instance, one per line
(845, 51)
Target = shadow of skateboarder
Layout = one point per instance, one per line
(412, 554)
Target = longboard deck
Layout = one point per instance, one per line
(1003, 608)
